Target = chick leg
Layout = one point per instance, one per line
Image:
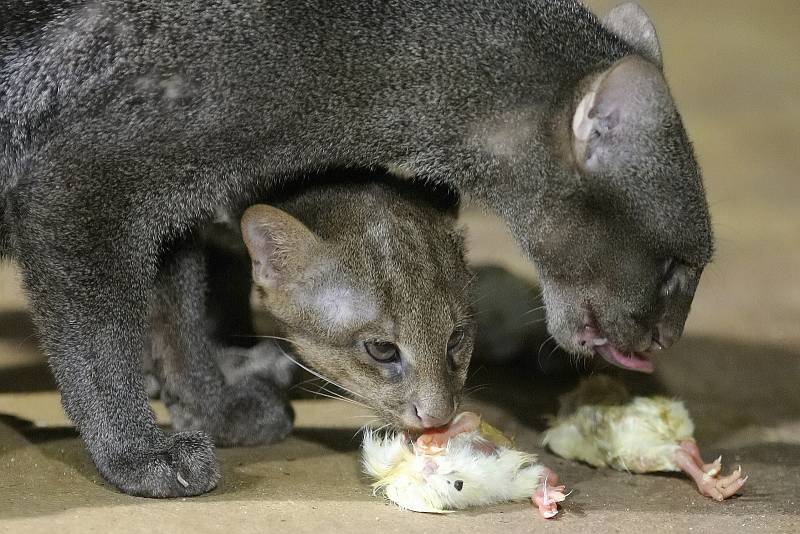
(706, 476)
(690, 446)
(548, 496)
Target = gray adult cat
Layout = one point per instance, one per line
(124, 124)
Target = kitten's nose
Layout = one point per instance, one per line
(430, 421)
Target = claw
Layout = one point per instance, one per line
(730, 479)
(713, 471)
(706, 476)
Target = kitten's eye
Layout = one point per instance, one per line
(453, 346)
(455, 341)
(382, 351)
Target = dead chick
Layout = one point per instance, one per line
(467, 463)
(601, 425)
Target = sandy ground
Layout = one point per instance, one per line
(738, 366)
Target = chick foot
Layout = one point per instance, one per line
(707, 476)
(548, 496)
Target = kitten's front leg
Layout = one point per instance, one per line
(265, 359)
(250, 410)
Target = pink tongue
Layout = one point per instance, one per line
(635, 361)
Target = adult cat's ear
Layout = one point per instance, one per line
(621, 110)
(630, 22)
(279, 245)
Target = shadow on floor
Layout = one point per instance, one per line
(16, 325)
(47, 471)
(26, 379)
(726, 385)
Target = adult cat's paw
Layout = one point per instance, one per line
(181, 465)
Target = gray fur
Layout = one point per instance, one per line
(124, 125)
(265, 358)
(630, 22)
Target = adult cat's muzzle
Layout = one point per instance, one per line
(592, 338)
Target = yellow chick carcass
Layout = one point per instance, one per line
(601, 425)
(469, 463)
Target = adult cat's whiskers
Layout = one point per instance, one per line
(537, 308)
(539, 353)
(535, 321)
(551, 353)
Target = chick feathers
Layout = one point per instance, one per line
(474, 468)
(641, 436)
(601, 425)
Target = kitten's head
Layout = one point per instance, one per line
(622, 244)
(369, 282)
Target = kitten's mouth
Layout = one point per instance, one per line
(593, 338)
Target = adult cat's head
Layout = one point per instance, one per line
(627, 235)
(368, 281)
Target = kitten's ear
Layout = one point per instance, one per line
(630, 22)
(279, 245)
(622, 107)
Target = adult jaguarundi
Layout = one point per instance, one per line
(124, 124)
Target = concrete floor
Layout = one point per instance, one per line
(734, 70)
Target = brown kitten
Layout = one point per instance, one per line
(369, 283)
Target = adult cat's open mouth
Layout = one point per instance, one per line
(633, 361)
(593, 338)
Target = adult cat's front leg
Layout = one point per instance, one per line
(88, 289)
(248, 410)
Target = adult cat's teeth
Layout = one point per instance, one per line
(599, 341)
